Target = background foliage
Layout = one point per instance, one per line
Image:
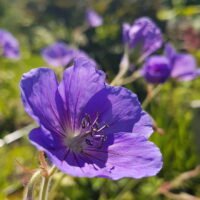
(37, 23)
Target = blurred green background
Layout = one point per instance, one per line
(37, 23)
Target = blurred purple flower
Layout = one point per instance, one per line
(60, 54)
(88, 128)
(9, 46)
(93, 19)
(184, 66)
(143, 33)
(156, 69)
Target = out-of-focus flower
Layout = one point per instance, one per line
(9, 46)
(180, 66)
(88, 128)
(60, 54)
(93, 19)
(143, 33)
(156, 69)
(184, 66)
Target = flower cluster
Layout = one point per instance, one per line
(87, 127)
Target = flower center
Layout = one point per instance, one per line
(91, 135)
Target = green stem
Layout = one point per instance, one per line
(136, 75)
(123, 67)
(44, 188)
(28, 194)
(55, 186)
(148, 99)
(45, 184)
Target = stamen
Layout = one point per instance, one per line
(96, 125)
(93, 134)
(83, 123)
(102, 128)
(86, 121)
(96, 119)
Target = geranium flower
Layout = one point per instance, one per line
(156, 69)
(60, 54)
(184, 66)
(93, 19)
(88, 128)
(143, 33)
(9, 46)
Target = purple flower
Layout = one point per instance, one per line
(88, 128)
(184, 66)
(180, 66)
(60, 54)
(93, 19)
(156, 69)
(9, 46)
(143, 33)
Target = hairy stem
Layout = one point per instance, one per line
(136, 75)
(45, 184)
(149, 97)
(44, 188)
(123, 67)
(28, 194)
(55, 186)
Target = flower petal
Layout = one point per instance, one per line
(58, 54)
(64, 159)
(143, 127)
(79, 84)
(131, 156)
(184, 67)
(40, 98)
(93, 18)
(117, 107)
(156, 69)
(45, 140)
(125, 32)
(9, 45)
(169, 51)
(127, 156)
(145, 33)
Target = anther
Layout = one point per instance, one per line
(88, 119)
(93, 134)
(83, 123)
(88, 142)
